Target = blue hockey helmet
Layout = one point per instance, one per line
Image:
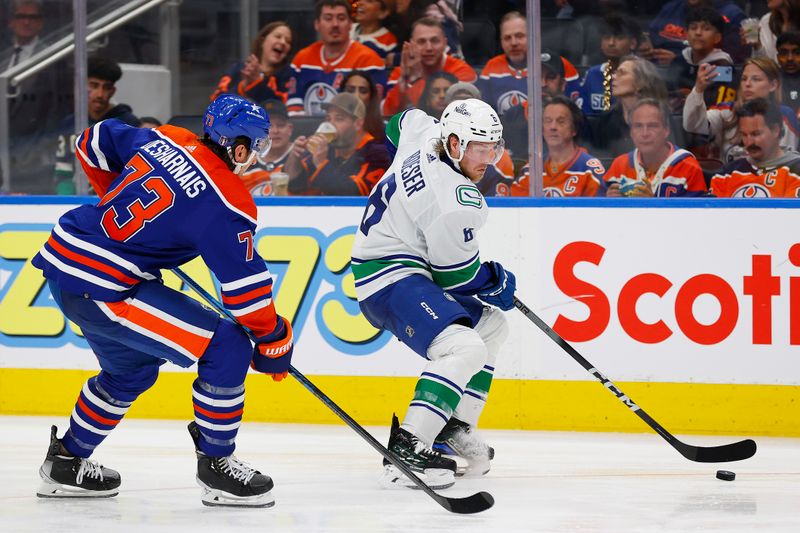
(231, 116)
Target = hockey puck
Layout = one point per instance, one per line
(726, 475)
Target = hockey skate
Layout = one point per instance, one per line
(228, 482)
(74, 477)
(458, 440)
(436, 471)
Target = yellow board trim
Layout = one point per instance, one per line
(697, 408)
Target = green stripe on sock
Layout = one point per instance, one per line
(368, 268)
(436, 394)
(481, 382)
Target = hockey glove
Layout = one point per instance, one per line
(273, 353)
(499, 291)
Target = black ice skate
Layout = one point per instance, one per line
(458, 440)
(74, 477)
(228, 482)
(436, 471)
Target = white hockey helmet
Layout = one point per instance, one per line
(471, 120)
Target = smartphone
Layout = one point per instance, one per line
(724, 74)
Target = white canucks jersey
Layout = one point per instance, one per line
(421, 218)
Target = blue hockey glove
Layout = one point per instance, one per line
(499, 292)
(273, 352)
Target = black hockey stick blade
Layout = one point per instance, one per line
(471, 504)
(735, 451)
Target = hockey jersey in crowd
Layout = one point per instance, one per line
(265, 88)
(257, 178)
(351, 174)
(580, 176)
(382, 42)
(315, 80)
(779, 178)
(503, 86)
(679, 175)
(165, 198)
(682, 75)
(592, 90)
(668, 28)
(394, 104)
(65, 145)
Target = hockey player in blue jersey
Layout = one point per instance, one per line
(166, 197)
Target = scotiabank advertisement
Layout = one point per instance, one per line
(660, 294)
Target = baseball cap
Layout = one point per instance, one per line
(349, 103)
(275, 108)
(461, 91)
(552, 62)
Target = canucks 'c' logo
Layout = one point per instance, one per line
(469, 195)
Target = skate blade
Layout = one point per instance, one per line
(467, 467)
(435, 478)
(218, 498)
(57, 490)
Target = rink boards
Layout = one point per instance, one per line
(691, 307)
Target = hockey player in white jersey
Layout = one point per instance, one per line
(417, 273)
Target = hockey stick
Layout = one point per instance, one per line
(735, 451)
(471, 504)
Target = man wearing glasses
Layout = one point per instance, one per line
(25, 25)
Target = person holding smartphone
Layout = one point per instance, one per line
(704, 26)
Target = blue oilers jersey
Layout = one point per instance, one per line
(165, 198)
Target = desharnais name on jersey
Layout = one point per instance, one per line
(421, 217)
(777, 178)
(165, 198)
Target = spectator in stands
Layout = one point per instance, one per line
(423, 55)
(760, 79)
(258, 178)
(789, 60)
(360, 84)
(635, 78)
(149, 122)
(31, 105)
(569, 169)
(668, 30)
(655, 167)
(445, 12)
(432, 99)
(370, 31)
(461, 91)
(318, 69)
(264, 74)
(619, 37)
(102, 76)
(783, 15)
(766, 171)
(704, 31)
(504, 79)
(348, 165)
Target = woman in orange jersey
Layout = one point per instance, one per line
(264, 74)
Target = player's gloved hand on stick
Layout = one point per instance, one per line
(273, 352)
(499, 291)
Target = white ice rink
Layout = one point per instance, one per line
(326, 480)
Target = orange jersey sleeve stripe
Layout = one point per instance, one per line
(91, 263)
(251, 295)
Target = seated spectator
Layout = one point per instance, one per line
(423, 55)
(442, 11)
(704, 31)
(789, 60)
(461, 91)
(370, 31)
(655, 167)
(264, 74)
(569, 169)
(348, 165)
(783, 15)
(317, 70)
(432, 99)
(257, 178)
(668, 30)
(760, 79)
(149, 122)
(766, 171)
(635, 78)
(360, 84)
(504, 79)
(102, 75)
(619, 37)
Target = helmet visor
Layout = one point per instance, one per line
(485, 153)
(261, 146)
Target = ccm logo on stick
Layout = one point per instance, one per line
(759, 284)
